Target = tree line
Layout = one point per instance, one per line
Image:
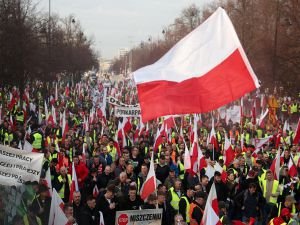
(34, 45)
(268, 30)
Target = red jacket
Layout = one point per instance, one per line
(81, 172)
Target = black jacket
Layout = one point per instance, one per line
(108, 214)
(89, 216)
(221, 189)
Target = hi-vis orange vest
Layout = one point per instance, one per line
(192, 207)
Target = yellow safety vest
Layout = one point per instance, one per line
(181, 170)
(247, 138)
(294, 108)
(61, 192)
(284, 108)
(274, 190)
(175, 199)
(261, 178)
(53, 156)
(26, 221)
(58, 135)
(259, 133)
(138, 186)
(187, 210)
(8, 138)
(20, 117)
(37, 143)
(112, 151)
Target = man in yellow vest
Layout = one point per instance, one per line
(185, 203)
(63, 184)
(174, 195)
(37, 140)
(180, 164)
(271, 191)
(20, 116)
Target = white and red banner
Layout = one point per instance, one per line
(204, 71)
(18, 166)
(139, 217)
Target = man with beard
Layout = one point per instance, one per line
(221, 188)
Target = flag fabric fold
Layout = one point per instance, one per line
(297, 134)
(275, 167)
(57, 216)
(149, 185)
(74, 185)
(211, 211)
(209, 61)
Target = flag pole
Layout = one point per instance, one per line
(213, 152)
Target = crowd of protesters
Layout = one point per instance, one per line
(111, 173)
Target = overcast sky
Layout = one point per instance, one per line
(115, 24)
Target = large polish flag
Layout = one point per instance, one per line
(211, 211)
(149, 185)
(207, 69)
(56, 215)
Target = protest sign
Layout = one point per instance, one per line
(139, 217)
(233, 114)
(127, 111)
(116, 102)
(18, 166)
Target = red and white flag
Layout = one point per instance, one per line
(286, 127)
(297, 136)
(187, 159)
(213, 136)
(57, 216)
(149, 185)
(292, 167)
(262, 117)
(229, 153)
(259, 142)
(196, 67)
(275, 167)
(211, 211)
(74, 185)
